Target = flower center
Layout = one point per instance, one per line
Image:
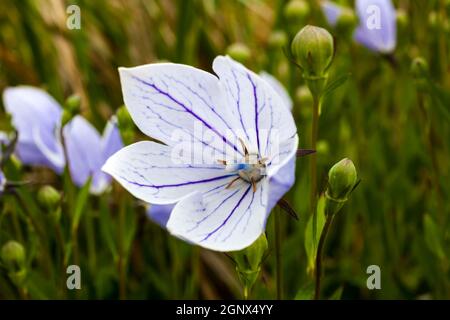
(251, 171)
(251, 168)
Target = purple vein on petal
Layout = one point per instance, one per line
(213, 211)
(224, 139)
(255, 97)
(229, 216)
(177, 184)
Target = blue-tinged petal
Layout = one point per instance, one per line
(36, 116)
(49, 144)
(279, 88)
(2, 182)
(160, 213)
(156, 174)
(260, 111)
(180, 105)
(83, 144)
(279, 185)
(222, 219)
(111, 139)
(281, 155)
(281, 182)
(377, 29)
(332, 12)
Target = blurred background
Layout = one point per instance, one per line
(392, 124)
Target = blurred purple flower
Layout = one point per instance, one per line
(377, 28)
(332, 12)
(37, 118)
(284, 179)
(87, 151)
(2, 182)
(222, 201)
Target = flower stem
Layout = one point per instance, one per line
(278, 256)
(319, 255)
(121, 262)
(246, 292)
(313, 168)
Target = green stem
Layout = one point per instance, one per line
(90, 239)
(319, 255)
(278, 256)
(246, 292)
(313, 167)
(121, 262)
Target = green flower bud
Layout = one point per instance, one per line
(342, 179)
(124, 118)
(323, 147)
(66, 117)
(433, 20)
(402, 19)
(73, 104)
(347, 22)
(296, 10)
(419, 68)
(13, 255)
(126, 125)
(239, 52)
(278, 39)
(248, 262)
(313, 49)
(49, 197)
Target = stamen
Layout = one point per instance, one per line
(253, 185)
(231, 183)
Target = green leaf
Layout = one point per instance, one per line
(433, 237)
(441, 98)
(337, 294)
(306, 292)
(336, 83)
(311, 242)
(82, 199)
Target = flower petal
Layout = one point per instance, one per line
(332, 12)
(156, 174)
(177, 103)
(83, 144)
(2, 182)
(260, 111)
(224, 219)
(36, 116)
(281, 182)
(160, 213)
(380, 37)
(111, 139)
(281, 155)
(278, 87)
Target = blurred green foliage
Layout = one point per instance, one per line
(393, 126)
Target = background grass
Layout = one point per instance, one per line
(394, 128)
